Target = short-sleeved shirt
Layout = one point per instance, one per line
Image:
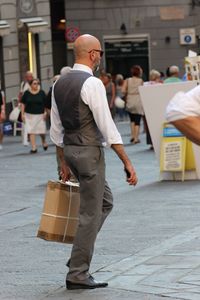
(184, 105)
(172, 80)
(34, 103)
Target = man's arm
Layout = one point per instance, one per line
(183, 111)
(131, 176)
(190, 127)
(65, 170)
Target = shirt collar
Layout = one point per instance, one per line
(81, 67)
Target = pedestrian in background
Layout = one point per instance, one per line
(119, 80)
(34, 114)
(49, 94)
(24, 86)
(154, 78)
(81, 136)
(133, 101)
(65, 70)
(173, 75)
(110, 92)
(2, 116)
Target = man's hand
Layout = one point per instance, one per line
(64, 168)
(131, 176)
(65, 171)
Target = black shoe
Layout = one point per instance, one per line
(33, 151)
(88, 283)
(45, 147)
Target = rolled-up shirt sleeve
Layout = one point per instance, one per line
(94, 95)
(184, 105)
(56, 130)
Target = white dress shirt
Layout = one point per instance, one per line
(93, 94)
(183, 105)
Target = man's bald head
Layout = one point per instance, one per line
(84, 44)
(29, 76)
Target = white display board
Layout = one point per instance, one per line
(155, 99)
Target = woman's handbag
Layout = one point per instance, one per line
(14, 115)
(119, 102)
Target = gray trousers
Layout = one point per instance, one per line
(96, 201)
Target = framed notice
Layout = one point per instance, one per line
(173, 151)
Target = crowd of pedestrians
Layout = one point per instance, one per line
(35, 104)
(128, 90)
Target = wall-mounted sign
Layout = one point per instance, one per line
(126, 49)
(71, 34)
(187, 36)
(172, 13)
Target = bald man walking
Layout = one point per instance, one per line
(80, 122)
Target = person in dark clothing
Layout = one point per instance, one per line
(34, 114)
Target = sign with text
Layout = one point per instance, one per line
(187, 36)
(173, 154)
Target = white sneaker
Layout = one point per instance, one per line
(1, 147)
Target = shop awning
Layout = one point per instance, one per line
(35, 25)
(4, 28)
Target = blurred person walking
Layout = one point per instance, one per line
(133, 101)
(119, 80)
(34, 113)
(110, 92)
(154, 78)
(49, 94)
(24, 86)
(173, 75)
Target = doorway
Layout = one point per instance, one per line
(121, 53)
(58, 24)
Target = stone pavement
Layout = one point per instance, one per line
(149, 248)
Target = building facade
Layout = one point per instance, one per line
(25, 43)
(151, 33)
(39, 35)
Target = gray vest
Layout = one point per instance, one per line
(76, 117)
